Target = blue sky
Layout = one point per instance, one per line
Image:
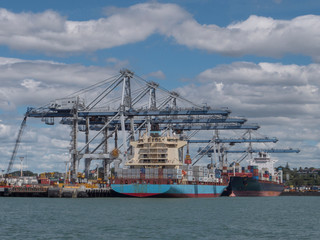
(259, 58)
(157, 51)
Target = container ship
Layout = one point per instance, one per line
(157, 170)
(259, 179)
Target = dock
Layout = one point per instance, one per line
(55, 192)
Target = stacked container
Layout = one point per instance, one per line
(188, 173)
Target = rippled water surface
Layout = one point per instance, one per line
(130, 218)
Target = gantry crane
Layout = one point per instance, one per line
(129, 104)
(17, 143)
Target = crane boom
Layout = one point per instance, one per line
(235, 140)
(271, 150)
(16, 146)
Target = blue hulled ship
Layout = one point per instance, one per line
(157, 169)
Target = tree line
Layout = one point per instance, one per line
(298, 177)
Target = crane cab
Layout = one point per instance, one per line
(67, 104)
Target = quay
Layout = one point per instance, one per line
(55, 192)
(305, 193)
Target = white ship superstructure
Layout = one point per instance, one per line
(157, 152)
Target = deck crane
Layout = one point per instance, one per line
(16, 146)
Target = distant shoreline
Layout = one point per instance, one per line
(307, 193)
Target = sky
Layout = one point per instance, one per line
(259, 58)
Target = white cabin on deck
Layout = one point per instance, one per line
(156, 152)
(263, 161)
(67, 103)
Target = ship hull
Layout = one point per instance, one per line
(167, 190)
(250, 187)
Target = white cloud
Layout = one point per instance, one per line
(158, 74)
(282, 99)
(118, 64)
(51, 33)
(263, 83)
(256, 35)
(43, 148)
(30, 84)
(263, 89)
(4, 131)
(35, 83)
(38, 82)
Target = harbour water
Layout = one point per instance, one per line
(130, 218)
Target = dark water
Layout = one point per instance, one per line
(128, 218)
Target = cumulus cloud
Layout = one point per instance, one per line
(43, 148)
(4, 131)
(282, 99)
(246, 85)
(37, 82)
(30, 84)
(256, 35)
(158, 74)
(51, 33)
(117, 64)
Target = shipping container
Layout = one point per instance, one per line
(170, 171)
(45, 181)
